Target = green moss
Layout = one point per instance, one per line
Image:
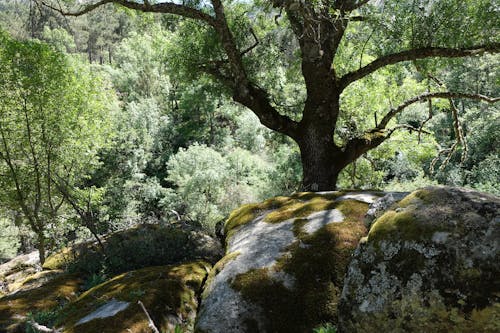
(297, 209)
(37, 278)
(59, 260)
(423, 195)
(173, 288)
(299, 204)
(60, 289)
(352, 210)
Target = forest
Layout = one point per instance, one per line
(165, 112)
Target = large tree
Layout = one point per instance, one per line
(315, 35)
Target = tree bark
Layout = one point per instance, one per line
(41, 247)
(320, 164)
(322, 159)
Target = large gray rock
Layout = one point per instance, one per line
(284, 265)
(432, 264)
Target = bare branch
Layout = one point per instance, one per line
(255, 44)
(415, 54)
(151, 323)
(162, 7)
(424, 97)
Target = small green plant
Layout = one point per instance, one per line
(138, 293)
(45, 318)
(326, 328)
(94, 280)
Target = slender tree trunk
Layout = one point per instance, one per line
(41, 247)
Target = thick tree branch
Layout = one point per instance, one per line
(372, 139)
(257, 100)
(424, 97)
(415, 54)
(162, 7)
(350, 5)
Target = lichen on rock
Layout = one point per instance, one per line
(429, 264)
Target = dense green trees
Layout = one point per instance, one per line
(183, 148)
(53, 121)
(333, 45)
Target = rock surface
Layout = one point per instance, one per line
(432, 264)
(285, 262)
(16, 270)
(169, 294)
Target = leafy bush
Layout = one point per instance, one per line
(94, 280)
(142, 246)
(45, 318)
(327, 328)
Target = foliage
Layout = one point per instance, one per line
(9, 242)
(183, 148)
(54, 120)
(327, 328)
(46, 318)
(94, 280)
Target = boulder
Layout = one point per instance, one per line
(429, 264)
(138, 247)
(168, 295)
(285, 263)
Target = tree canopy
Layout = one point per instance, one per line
(325, 47)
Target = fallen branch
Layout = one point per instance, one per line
(151, 324)
(41, 328)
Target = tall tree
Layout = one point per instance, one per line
(325, 39)
(52, 123)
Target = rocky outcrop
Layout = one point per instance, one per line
(285, 263)
(169, 295)
(430, 264)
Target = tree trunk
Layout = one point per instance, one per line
(320, 163)
(321, 159)
(41, 248)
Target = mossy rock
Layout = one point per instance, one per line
(431, 264)
(285, 263)
(169, 294)
(15, 271)
(37, 293)
(141, 246)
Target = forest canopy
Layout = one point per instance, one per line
(153, 109)
(330, 46)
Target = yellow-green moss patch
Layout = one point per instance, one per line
(164, 291)
(298, 205)
(298, 209)
(34, 280)
(411, 315)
